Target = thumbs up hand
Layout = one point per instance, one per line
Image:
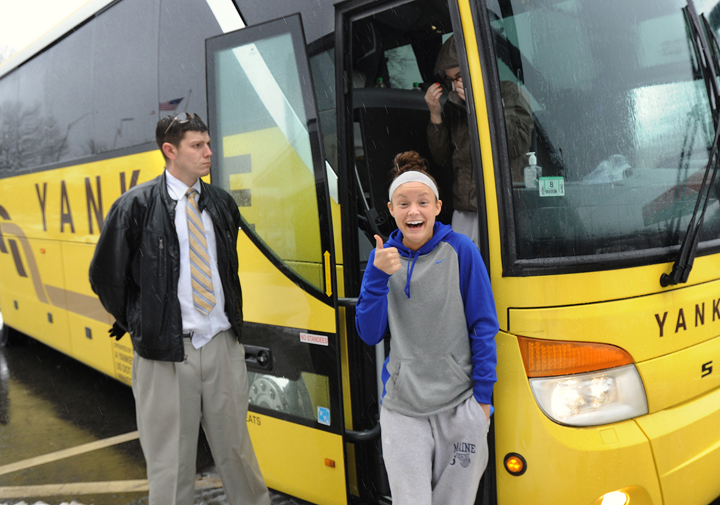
(387, 259)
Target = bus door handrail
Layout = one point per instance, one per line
(347, 302)
(374, 432)
(357, 437)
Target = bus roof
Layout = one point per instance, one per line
(72, 21)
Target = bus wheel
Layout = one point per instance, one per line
(10, 338)
(281, 395)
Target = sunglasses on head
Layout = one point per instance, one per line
(181, 118)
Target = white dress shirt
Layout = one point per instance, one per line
(203, 327)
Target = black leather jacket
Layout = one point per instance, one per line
(136, 265)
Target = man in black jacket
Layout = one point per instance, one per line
(166, 268)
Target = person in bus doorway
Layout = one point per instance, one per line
(165, 267)
(449, 136)
(428, 288)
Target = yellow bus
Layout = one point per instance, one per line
(605, 268)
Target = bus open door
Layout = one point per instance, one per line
(268, 155)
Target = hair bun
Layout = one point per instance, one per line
(409, 160)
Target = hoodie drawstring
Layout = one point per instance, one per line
(409, 273)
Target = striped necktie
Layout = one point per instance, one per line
(200, 275)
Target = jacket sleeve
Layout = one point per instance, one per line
(110, 269)
(438, 137)
(371, 310)
(481, 318)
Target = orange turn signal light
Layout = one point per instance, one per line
(515, 464)
(330, 463)
(548, 358)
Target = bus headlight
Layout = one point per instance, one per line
(591, 399)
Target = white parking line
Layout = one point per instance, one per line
(84, 488)
(87, 488)
(67, 453)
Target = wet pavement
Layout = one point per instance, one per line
(68, 436)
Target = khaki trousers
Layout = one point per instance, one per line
(172, 401)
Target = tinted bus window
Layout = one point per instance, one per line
(262, 104)
(184, 26)
(9, 117)
(83, 97)
(68, 92)
(322, 66)
(55, 102)
(125, 82)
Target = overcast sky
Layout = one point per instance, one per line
(23, 21)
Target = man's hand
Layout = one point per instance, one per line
(460, 88)
(387, 259)
(116, 331)
(432, 98)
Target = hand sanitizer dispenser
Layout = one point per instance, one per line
(532, 171)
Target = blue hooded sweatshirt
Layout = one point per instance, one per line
(440, 313)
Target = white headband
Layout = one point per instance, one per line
(413, 176)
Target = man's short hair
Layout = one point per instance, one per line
(172, 128)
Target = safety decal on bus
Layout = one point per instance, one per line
(123, 361)
(323, 415)
(309, 338)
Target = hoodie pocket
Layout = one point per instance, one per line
(423, 385)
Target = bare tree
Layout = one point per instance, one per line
(27, 138)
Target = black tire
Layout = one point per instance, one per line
(10, 337)
(292, 398)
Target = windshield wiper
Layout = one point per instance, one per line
(708, 61)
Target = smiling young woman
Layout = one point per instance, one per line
(430, 290)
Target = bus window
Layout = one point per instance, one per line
(403, 70)
(322, 66)
(127, 118)
(623, 127)
(82, 97)
(181, 55)
(259, 87)
(299, 398)
(46, 110)
(10, 155)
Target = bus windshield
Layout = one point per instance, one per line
(623, 127)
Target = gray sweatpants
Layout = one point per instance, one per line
(437, 459)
